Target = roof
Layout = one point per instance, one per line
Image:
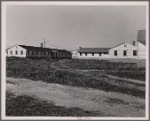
(119, 44)
(61, 50)
(96, 50)
(141, 36)
(41, 49)
(34, 48)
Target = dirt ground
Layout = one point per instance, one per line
(108, 103)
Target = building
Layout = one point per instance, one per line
(60, 54)
(74, 54)
(136, 50)
(64, 54)
(37, 52)
(28, 52)
(123, 50)
(92, 53)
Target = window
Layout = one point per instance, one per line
(11, 52)
(21, 52)
(16, 52)
(80, 54)
(99, 54)
(46, 53)
(124, 53)
(85, 54)
(134, 53)
(32, 52)
(92, 54)
(115, 53)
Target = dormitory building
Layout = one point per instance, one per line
(136, 50)
(37, 52)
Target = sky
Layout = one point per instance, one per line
(71, 27)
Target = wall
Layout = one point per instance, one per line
(141, 51)
(89, 56)
(18, 49)
(74, 54)
(54, 54)
(125, 46)
(61, 54)
(38, 54)
(64, 55)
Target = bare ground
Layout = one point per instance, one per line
(108, 103)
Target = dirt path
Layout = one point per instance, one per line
(108, 103)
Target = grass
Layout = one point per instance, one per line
(28, 106)
(127, 70)
(46, 71)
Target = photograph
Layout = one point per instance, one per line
(74, 60)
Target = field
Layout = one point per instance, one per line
(106, 86)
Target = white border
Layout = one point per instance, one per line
(80, 3)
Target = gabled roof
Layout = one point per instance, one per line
(119, 45)
(34, 48)
(96, 50)
(141, 36)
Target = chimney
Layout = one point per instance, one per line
(133, 43)
(41, 45)
(141, 37)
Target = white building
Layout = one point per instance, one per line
(123, 50)
(141, 49)
(136, 50)
(28, 51)
(74, 54)
(92, 53)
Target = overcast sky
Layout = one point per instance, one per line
(71, 27)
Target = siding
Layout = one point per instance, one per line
(74, 54)
(125, 46)
(141, 51)
(18, 49)
(36, 54)
(90, 56)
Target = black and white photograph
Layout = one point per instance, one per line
(75, 60)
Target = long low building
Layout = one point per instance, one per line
(136, 50)
(121, 51)
(92, 53)
(37, 52)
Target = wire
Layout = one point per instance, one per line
(42, 40)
